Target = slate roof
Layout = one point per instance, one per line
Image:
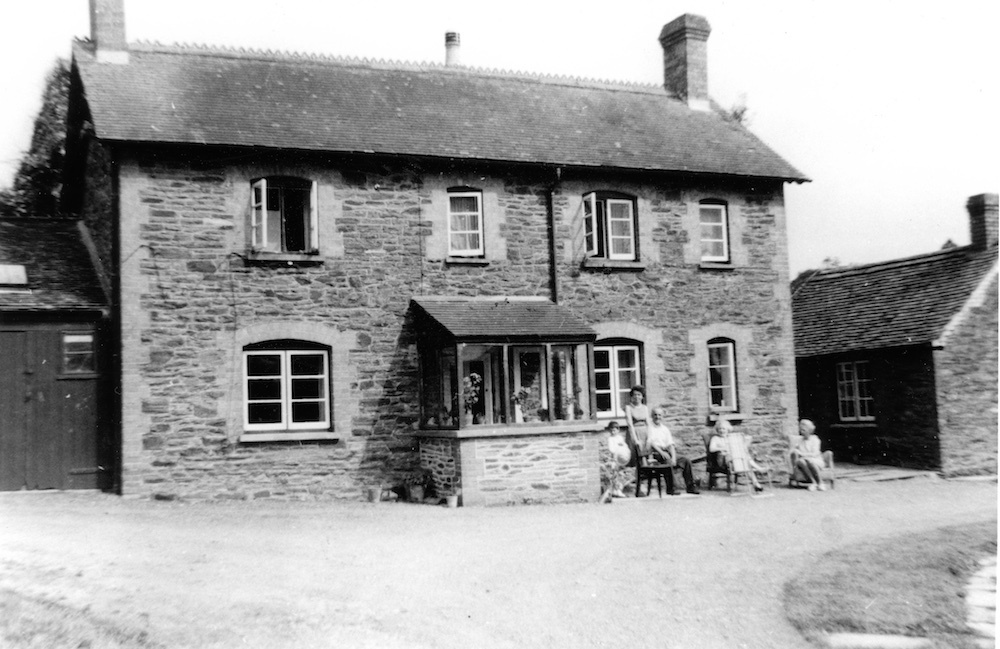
(60, 274)
(508, 319)
(901, 302)
(199, 95)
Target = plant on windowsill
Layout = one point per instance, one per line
(471, 388)
(531, 407)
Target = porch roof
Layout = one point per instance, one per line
(503, 319)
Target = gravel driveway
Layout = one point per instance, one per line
(697, 572)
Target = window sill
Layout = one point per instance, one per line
(466, 261)
(516, 430)
(81, 376)
(260, 258)
(730, 416)
(608, 265)
(297, 436)
(716, 265)
(854, 425)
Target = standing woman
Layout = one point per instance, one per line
(637, 420)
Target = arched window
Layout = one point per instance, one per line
(722, 375)
(617, 367)
(610, 226)
(713, 219)
(286, 386)
(284, 215)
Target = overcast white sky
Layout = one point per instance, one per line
(890, 107)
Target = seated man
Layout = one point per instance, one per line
(660, 445)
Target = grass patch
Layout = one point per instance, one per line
(910, 585)
(27, 623)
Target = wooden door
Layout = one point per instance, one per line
(49, 409)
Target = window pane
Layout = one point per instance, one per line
(712, 232)
(473, 239)
(308, 411)
(460, 242)
(79, 363)
(626, 358)
(461, 222)
(264, 413)
(264, 365)
(464, 204)
(710, 215)
(602, 380)
(307, 388)
(308, 364)
(262, 390)
(604, 402)
(602, 359)
(621, 246)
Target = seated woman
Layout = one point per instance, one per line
(718, 449)
(807, 455)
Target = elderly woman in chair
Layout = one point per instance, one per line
(807, 455)
(718, 449)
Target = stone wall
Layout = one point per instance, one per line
(966, 370)
(190, 299)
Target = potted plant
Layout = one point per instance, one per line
(530, 405)
(472, 386)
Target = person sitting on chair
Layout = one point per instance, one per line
(807, 455)
(718, 449)
(660, 445)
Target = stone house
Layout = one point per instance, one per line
(897, 361)
(330, 274)
(53, 401)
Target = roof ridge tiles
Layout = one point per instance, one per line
(891, 263)
(242, 52)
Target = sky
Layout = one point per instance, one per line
(890, 107)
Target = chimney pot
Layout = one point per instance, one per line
(685, 59)
(452, 43)
(983, 220)
(107, 30)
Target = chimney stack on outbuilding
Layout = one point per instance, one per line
(983, 220)
(107, 30)
(452, 43)
(685, 60)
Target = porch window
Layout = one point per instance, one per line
(854, 391)
(513, 361)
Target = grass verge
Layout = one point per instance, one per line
(27, 623)
(910, 585)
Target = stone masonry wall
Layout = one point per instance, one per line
(190, 301)
(967, 390)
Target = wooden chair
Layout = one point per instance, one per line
(797, 479)
(647, 469)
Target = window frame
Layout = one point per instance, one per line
(723, 209)
(615, 388)
(480, 250)
(849, 391)
(731, 372)
(598, 230)
(286, 351)
(259, 214)
(64, 369)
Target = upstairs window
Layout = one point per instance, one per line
(610, 226)
(854, 392)
(465, 223)
(722, 375)
(286, 386)
(284, 215)
(714, 223)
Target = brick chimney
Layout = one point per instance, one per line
(107, 30)
(685, 59)
(452, 42)
(983, 220)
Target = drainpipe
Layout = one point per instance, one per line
(553, 267)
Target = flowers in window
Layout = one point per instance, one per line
(471, 388)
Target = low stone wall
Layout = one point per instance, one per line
(516, 469)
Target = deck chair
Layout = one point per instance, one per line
(740, 462)
(827, 473)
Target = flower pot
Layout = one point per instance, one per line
(451, 501)
(374, 494)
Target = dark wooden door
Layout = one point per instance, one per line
(48, 410)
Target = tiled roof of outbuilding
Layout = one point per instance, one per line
(206, 96)
(60, 274)
(901, 302)
(511, 319)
